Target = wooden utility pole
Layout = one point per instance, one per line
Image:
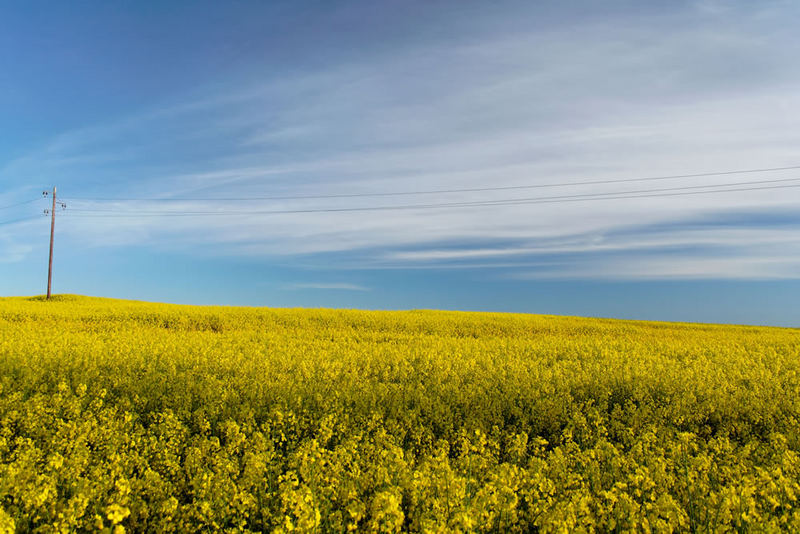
(52, 232)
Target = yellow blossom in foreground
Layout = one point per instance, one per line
(120, 416)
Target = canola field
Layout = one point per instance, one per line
(119, 416)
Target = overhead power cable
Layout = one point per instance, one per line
(441, 191)
(509, 202)
(19, 204)
(23, 219)
(506, 200)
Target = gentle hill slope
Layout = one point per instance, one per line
(149, 416)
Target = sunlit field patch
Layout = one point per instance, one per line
(143, 417)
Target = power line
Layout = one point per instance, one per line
(511, 202)
(19, 204)
(443, 191)
(500, 201)
(23, 219)
(589, 196)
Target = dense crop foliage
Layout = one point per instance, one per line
(129, 416)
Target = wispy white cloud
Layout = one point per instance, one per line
(11, 249)
(326, 286)
(598, 100)
(671, 267)
(743, 239)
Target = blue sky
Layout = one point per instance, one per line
(210, 100)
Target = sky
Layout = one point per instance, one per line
(175, 131)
